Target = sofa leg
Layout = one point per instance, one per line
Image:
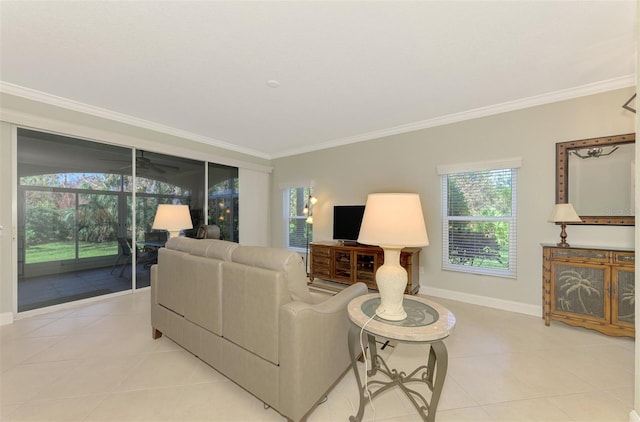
(155, 333)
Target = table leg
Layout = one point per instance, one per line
(373, 354)
(354, 349)
(439, 354)
(434, 375)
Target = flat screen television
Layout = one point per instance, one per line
(346, 222)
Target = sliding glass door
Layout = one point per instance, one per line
(223, 200)
(163, 179)
(82, 234)
(71, 209)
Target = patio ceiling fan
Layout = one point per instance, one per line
(146, 164)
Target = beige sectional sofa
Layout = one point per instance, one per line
(247, 312)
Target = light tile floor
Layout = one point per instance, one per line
(97, 362)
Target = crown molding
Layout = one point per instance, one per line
(552, 97)
(43, 97)
(566, 94)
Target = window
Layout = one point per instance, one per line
(479, 218)
(299, 232)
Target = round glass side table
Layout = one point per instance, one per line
(426, 322)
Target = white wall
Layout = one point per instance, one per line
(635, 414)
(254, 207)
(407, 163)
(6, 287)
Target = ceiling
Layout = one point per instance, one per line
(342, 71)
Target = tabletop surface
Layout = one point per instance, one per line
(426, 320)
(154, 243)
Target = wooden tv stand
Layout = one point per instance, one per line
(352, 263)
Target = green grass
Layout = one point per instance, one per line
(59, 251)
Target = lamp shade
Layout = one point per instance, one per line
(393, 219)
(172, 218)
(564, 213)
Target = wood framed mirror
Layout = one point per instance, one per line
(597, 176)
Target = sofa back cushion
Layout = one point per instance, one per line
(212, 248)
(251, 306)
(203, 292)
(189, 279)
(233, 291)
(171, 272)
(289, 263)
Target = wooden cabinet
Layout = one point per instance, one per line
(351, 264)
(623, 290)
(591, 288)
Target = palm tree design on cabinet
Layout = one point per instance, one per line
(573, 283)
(627, 302)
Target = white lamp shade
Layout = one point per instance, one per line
(394, 220)
(172, 218)
(564, 213)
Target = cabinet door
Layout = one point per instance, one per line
(624, 291)
(366, 265)
(580, 290)
(320, 262)
(342, 268)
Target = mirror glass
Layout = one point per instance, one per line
(597, 176)
(601, 180)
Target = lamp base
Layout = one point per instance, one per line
(391, 279)
(390, 316)
(563, 236)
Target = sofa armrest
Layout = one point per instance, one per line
(153, 272)
(318, 297)
(155, 316)
(313, 349)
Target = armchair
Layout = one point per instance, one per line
(208, 231)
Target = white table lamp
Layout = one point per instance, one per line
(172, 218)
(564, 213)
(392, 221)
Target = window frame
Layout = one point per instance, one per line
(307, 191)
(445, 171)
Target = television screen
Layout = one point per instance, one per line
(346, 221)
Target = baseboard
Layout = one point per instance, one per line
(6, 318)
(634, 417)
(491, 302)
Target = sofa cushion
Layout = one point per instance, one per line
(288, 262)
(251, 307)
(203, 297)
(220, 249)
(170, 286)
(179, 244)
(211, 248)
